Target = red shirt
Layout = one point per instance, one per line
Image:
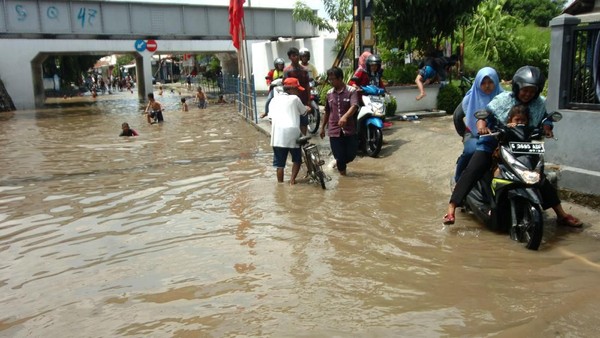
(303, 77)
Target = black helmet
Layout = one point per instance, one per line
(374, 59)
(278, 61)
(528, 76)
(304, 52)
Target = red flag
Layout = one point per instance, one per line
(236, 14)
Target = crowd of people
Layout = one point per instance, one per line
(521, 105)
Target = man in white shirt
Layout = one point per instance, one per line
(285, 111)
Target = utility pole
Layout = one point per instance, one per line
(364, 30)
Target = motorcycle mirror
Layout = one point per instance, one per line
(556, 116)
(482, 114)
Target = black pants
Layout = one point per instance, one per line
(344, 150)
(480, 163)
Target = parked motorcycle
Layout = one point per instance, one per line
(370, 120)
(511, 200)
(314, 116)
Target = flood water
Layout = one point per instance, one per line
(184, 232)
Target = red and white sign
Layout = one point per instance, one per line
(151, 45)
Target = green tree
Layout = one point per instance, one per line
(539, 12)
(339, 11)
(492, 31)
(425, 21)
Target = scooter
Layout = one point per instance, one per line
(370, 120)
(314, 116)
(511, 200)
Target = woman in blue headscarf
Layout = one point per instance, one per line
(485, 87)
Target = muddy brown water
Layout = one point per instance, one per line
(183, 232)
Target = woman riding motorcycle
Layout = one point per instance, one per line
(527, 85)
(369, 74)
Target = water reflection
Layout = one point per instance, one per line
(183, 231)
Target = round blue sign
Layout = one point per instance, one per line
(140, 45)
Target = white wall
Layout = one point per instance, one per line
(263, 54)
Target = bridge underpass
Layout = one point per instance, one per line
(30, 31)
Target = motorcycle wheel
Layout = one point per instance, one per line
(314, 117)
(373, 142)
(528, 225)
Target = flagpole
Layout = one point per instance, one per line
(247, 74)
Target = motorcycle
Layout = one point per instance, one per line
(370, 120)
(511, 200)
(314, 116)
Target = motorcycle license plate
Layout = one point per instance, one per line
(526, 148)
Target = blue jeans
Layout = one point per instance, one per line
(344, 150)
(469, 145)
(269, 98)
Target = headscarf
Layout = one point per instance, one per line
(362, 61)
(476, 99)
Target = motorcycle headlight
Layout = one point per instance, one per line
(528, 176)
(377, 108)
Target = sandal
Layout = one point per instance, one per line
(448, 219)
(569, 221)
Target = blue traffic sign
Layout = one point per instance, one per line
(140, 45)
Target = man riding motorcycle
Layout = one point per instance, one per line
(274, 74)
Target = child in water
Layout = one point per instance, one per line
(201, 98)
(127, 131)
(153, 110)
(184, 105)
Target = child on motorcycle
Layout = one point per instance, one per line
(518, 116)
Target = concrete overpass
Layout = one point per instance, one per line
(30, 31)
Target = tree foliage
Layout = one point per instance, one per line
(492, 30)
(304, 13)
(426, 21)
(340, 11)
(539, 12)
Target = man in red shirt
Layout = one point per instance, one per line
(295, 69)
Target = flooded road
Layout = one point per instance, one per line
(184, 232)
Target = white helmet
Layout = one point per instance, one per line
(304, 52)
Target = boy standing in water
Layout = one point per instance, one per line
(201, 98)
(184, 105)
(153, 110)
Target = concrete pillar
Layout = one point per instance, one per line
(17, 69)
(143, 64)
(229, 63)
(37, 79)
(561, 42)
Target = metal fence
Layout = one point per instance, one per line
(584, 87)
(213, 88)
(234, 89)
(247, 99)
